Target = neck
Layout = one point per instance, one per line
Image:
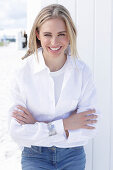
(55, 64)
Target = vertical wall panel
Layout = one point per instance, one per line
(111, 154)
(85, 26)
(45, 3)
(71, 6)
(33, 8)
(85, 42)
(101, 152)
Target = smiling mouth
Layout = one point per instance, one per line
(55, 49)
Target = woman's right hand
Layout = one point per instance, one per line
(80, 120)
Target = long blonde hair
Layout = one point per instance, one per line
(49, 12)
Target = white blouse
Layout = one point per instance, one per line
(33, 88)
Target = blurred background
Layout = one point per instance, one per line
(13, 22)
(94, 23)
(13, 45)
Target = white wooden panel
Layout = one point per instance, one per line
(71, 6)
(85, 26)
(101, 152)
(32, 10)
(111, 154)
(48, 2)
(85, 45)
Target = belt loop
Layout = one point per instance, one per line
(40, 149)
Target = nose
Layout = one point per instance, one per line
(54, 41)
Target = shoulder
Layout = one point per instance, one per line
(81, 66)
(24, 67)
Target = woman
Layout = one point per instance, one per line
(53, 112)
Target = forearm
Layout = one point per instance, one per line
(84, 122)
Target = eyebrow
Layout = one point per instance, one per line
(58, 32)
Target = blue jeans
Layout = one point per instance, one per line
(53, 158)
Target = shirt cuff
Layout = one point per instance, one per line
(59, 127)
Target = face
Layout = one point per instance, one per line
(53, 37)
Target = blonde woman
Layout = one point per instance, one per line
(53, 112)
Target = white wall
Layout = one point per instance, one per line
(94, 22)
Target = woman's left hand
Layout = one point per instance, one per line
(23, 116)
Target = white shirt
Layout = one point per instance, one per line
(33, 88)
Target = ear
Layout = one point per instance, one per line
(37, 35)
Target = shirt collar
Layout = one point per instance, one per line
(39, 62)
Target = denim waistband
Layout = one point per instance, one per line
(53, 148)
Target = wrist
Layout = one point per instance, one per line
(65, 124)
(65, 127)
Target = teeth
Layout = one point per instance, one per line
(55, 48)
